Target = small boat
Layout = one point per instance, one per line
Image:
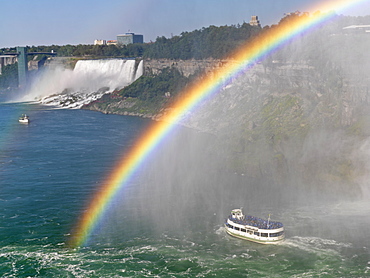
(253, 228)
(24, 119)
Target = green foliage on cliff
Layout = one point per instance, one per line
(147, 95)
(150, 87)
(9, 76)
(283, 117)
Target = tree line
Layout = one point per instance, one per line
(211, 42)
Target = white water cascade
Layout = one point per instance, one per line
(89, 80)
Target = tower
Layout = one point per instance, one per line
(22, 66)
(254, 21)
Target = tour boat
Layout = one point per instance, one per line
(24, 119)
(254, 228)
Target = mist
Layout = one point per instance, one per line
(289, 138)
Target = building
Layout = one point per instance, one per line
(112, 42)
(357, 29)
(254, 21)
(129, 38)
(100, 42)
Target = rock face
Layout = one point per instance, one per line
(283, 94)
(293, 123)
(186, 67)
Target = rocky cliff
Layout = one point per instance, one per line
(186, 67)
(292, 123)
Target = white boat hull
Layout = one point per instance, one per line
(24, 119)
(257, 239)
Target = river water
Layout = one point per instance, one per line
(168, 222)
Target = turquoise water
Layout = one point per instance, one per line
(168, 222)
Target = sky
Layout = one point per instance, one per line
(47, 22)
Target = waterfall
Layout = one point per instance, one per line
(95, 74)
(89, 80)
(140, 70)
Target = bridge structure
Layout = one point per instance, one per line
(21, 54)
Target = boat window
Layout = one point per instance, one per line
(264, 234)
(276, 234)
(250, 232)
(243, 230)
(257, 233)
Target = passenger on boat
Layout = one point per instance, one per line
(257, 222)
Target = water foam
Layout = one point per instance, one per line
(316, 245)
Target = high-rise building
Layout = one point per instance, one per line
(254, 21)
(360, 29)
(129, 38)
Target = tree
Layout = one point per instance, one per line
(9, 76)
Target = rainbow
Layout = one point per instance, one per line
(243, 59)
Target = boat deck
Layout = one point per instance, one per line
(257, 222)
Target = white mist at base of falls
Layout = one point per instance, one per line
(89, 81)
